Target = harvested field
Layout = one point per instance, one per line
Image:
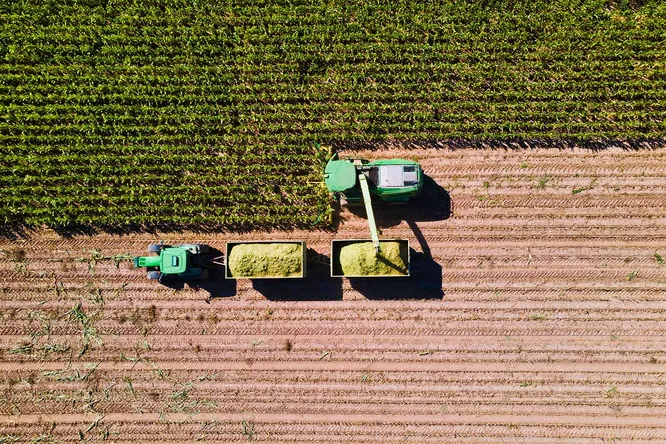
(534, 313)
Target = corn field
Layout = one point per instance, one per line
(188, 113)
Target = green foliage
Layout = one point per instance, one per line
(247, 429)
(130, 386)
(88, 331)
(96, 256)
(542, 182)
(610, 393)
(203, 113)
(23, 349)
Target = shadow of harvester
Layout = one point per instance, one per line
(425, 280)
(432, 205)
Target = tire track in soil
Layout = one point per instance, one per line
(378, 428)
(536, 315)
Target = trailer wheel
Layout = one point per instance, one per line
(154, 275)
(156, 248)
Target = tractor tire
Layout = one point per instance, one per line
(156, 248)
(154, 275)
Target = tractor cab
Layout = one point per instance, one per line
(394, 176)
(169, 261)
(179, 260)
(174, 260)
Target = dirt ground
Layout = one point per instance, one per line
(535, 313)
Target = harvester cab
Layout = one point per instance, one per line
(358, 180)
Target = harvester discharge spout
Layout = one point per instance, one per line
(365, 189)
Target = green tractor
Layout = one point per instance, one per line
(187, 261)
(358, 180)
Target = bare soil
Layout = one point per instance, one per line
(535, 313)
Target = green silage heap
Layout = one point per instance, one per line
(266, 260)
(360, 259)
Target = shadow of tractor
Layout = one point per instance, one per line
(215, 285)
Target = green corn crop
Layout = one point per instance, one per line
(146, 114)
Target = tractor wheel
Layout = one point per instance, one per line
(156, 248)
(154, 275)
